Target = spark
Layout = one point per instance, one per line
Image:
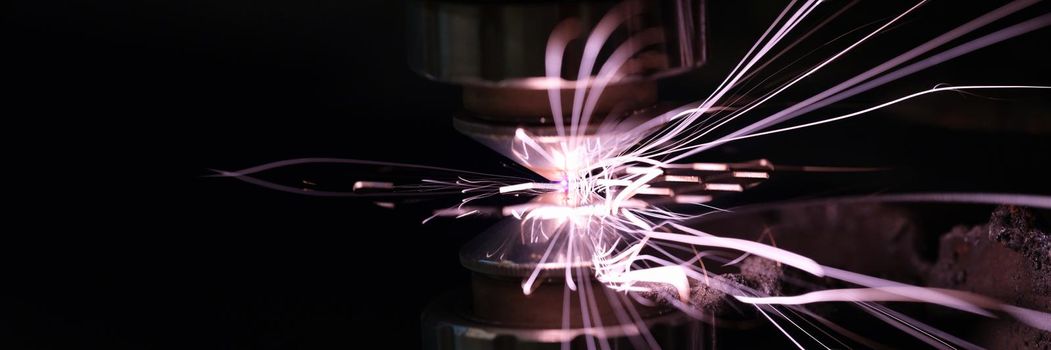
(751, 174)
(361, 185)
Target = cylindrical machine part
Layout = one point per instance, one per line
(498, 51)
(495, 314)
(503, 43)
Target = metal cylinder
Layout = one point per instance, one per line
(496, 314)
(502, 43)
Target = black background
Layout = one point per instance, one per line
(115, 111)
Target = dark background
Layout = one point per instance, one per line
(114, 111)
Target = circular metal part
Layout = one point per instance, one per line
(505, 250)
(503, 43)
(525, 105)
(499, 299)
(498, 316)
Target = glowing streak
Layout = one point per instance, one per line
(527, 140)
(556, 46)
(301, 161)
(360, 185)
(789, 336)
(655, 191)
(1034, 201)
(905, 327)
(946, 297)
(531, 186)
(739, 259)
(569, 254)
(723, 187)
(690, 199)
(635, 220)
(648, 174)
(605, 27)
(819, 66)
(798, 327)
(613, 182)
(681, 178)
(772, 253)
(737, 72)
(751, 175)
(616, 60)
(710, 166)
(672, 275)
(820, 100)
(787, 85)
(527, 285)
(585, 315)
(564, 212)
(634, 170)
(565, 312)
(870, 109)
(467, 213)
